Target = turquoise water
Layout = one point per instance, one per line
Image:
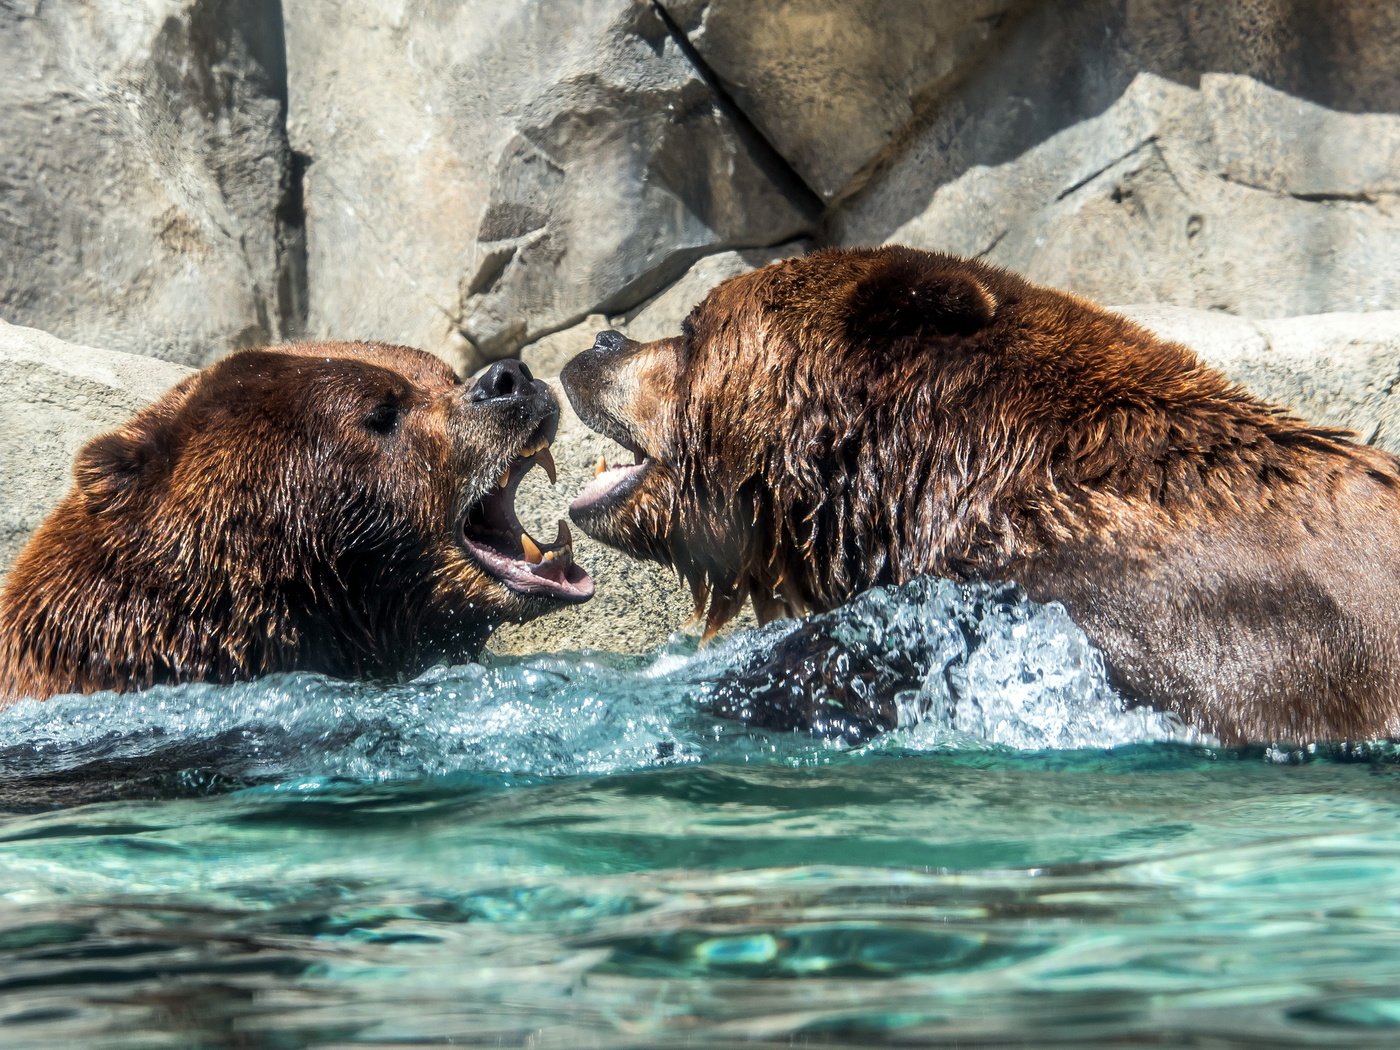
(570, 851)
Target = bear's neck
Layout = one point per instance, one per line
(976, 499)
(82, 615)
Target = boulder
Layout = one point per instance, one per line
(1222, 156)
(830, 83)
(1162, 199)
(146, 200)
(482, 175)
(58, 396)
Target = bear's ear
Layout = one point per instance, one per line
(112, 465)
(911, 296)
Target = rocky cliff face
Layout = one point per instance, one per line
(483, 174)
(147, 194)
(179, 178)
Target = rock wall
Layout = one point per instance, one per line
(179, 178)
(481, 175)
(65, 395)
(146, 188)
(182, 177)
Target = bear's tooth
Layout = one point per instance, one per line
(563, 538)
(504, 479)
(549, 556)
(531, 549)
(601, 466)
(546, 459)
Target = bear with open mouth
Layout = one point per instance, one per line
(346, 508)
(860, 417)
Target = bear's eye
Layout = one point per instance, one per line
(384, 419)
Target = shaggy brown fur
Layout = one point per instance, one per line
(293, 508)
(856, 418)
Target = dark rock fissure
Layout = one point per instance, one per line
(292, 278)
(1372, 197)
(1150, 140)
(292, 273)
(793, 185)
(645, 286)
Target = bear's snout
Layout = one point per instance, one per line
(610, 340)
(504, 380)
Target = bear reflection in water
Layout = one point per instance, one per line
(345, 508)
(860, 417)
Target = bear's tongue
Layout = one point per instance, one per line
(607, 482)
(493, 535)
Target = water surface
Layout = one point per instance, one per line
(571, 851)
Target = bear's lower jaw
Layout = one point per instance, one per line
(492, 536)
(543, 572)
(607, 491)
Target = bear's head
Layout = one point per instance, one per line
(851, 418)
(345, 508)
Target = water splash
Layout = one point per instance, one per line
(967, 667)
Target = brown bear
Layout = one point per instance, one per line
(859, 417)
(344, 508)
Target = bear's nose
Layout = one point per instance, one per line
(504, 379)
(609, 340)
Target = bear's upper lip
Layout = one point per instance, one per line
(492, 534)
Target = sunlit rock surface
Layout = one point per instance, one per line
(145, 180)
(481, 175)
(831, 83)
(57, 396)
(659, 317)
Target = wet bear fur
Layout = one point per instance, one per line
(294, 508)
(855, 418)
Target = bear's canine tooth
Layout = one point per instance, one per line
(504, 479)
(600, 466)
(530, 548)
(563, 538)
(546, 460)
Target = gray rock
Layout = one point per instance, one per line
(1227, 156)
(481, 175)
(1339, 369)
(1270, 141)
(1150, 201)
(548, 356)
(831, 82)
(58, 395)
(144, 175)
(660, 316)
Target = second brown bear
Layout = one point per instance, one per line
(854, 418)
